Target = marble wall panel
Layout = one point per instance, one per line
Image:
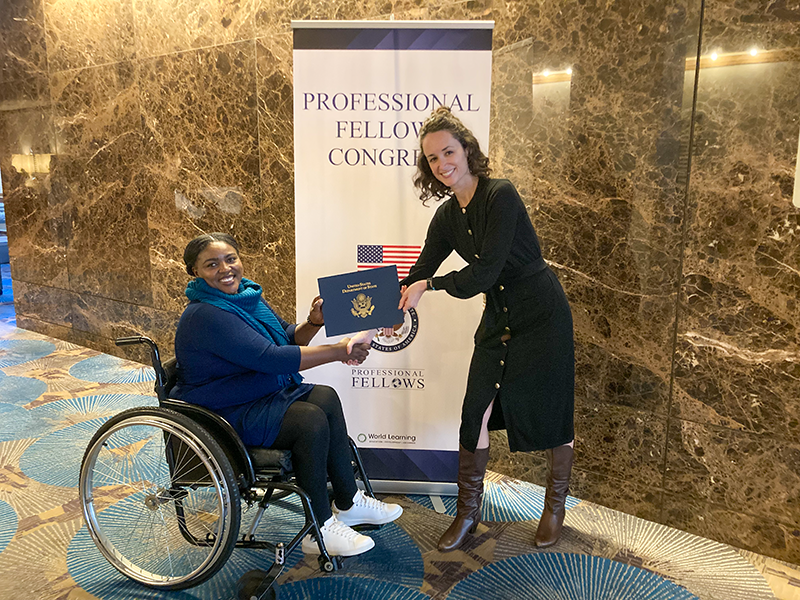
(737, 351)
(740, 471)
(510, 144)
(137, 353)
(82, 33)
(106, 345)
(60, 332)
(96, 108)
(737, 364)
(274, 262)
(167, 26)
(202, 157)
(105, 320)
(100, 169)
(29, 92)
(273, 16)
(22, 41)
(620, 442)
(623, 131)
(607, 377)
(36, 214)
(113, 319)
(625, 495)
(599, 165)
(605, 196)
(108, 250)
(50, 304)
(750, 531)
(527, 466)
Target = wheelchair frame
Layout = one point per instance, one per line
(204, 471)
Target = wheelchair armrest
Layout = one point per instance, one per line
(222, 432)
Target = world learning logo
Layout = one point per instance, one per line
(402, 337)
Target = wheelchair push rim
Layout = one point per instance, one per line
(159, 498)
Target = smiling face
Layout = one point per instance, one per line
(219, 265)
(447, 160)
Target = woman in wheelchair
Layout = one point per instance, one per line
(239, 359)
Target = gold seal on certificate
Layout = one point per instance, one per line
(362, 306)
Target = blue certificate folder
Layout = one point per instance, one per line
(360, 300)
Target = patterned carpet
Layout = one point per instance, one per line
(54, 395)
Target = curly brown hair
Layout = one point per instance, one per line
(443, 119)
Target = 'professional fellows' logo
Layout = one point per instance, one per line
(402, 337)
(388, 379)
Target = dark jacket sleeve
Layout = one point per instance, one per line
(435, 251)
(501, 224)
(225, 335)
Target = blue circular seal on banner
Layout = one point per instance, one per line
(402, 337)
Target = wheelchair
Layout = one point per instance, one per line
(161, 489)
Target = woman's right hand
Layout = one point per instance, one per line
(411, 295)
(362, 337)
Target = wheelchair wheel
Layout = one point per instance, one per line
(160, 498)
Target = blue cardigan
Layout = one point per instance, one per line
(227, 366)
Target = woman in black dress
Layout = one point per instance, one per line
(522, 374)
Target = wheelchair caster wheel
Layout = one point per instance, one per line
(329, 566)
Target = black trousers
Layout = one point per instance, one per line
(315, 431)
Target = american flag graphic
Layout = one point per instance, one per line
(373, 256)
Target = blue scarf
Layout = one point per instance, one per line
(248, 305)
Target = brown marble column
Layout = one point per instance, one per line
(734, 433)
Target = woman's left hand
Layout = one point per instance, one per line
(315, 314)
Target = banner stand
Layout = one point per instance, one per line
(438, 488)
(361, 92)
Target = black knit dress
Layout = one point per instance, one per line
(531, 374)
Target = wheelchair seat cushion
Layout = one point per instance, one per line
(270, 459)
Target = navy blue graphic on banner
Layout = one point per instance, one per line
(410, 465)
(392, 39)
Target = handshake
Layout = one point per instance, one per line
(358, 346)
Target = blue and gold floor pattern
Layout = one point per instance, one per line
(55, 395)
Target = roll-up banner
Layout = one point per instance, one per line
(361, 92)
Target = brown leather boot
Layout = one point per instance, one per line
(559, 468)
(471, 469)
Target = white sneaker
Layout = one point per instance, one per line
(367, 511)
(339, 540)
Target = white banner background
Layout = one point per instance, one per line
(340, 207)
